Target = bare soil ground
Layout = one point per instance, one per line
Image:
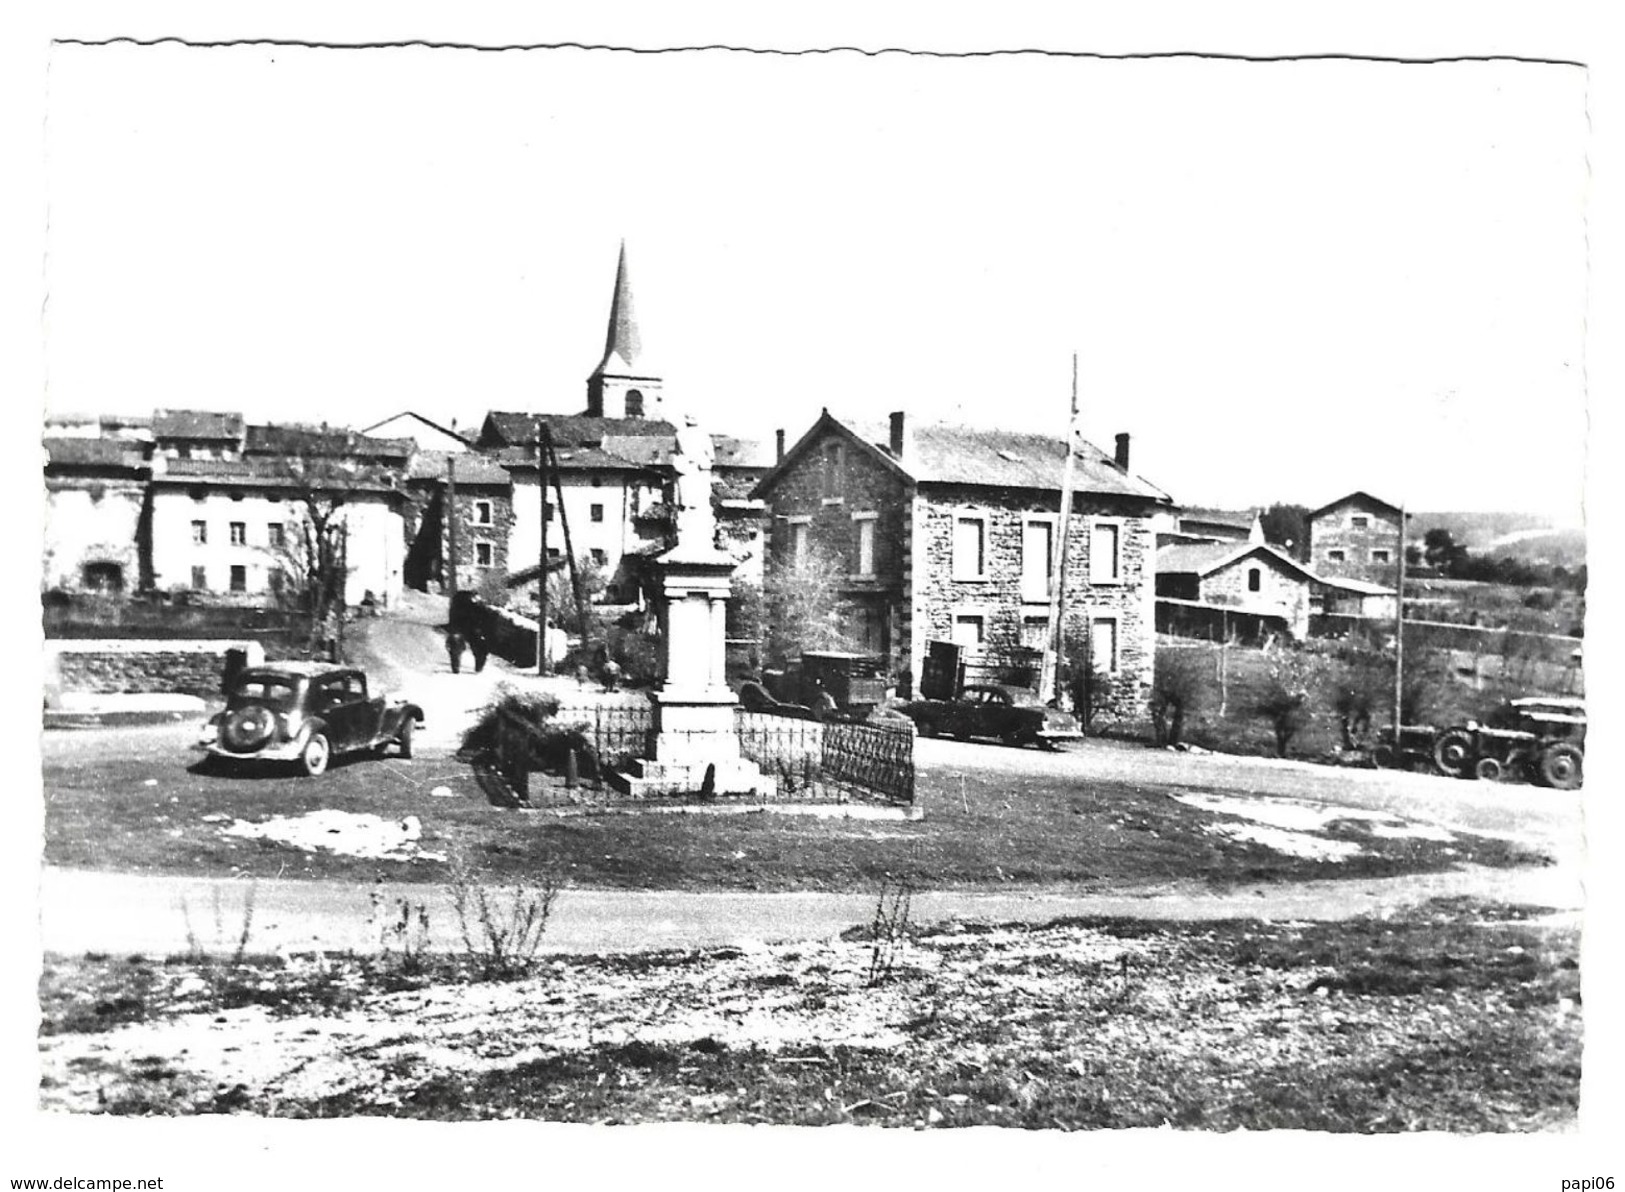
(1450, 1017)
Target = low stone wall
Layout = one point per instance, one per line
(122, 667)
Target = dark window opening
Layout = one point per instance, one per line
(597, 513)
(1255, 579)
(239, 578)
(200, 579)
(103, 577)
(634, 403)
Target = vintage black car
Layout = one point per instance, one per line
(1011, 714)
(307, 713)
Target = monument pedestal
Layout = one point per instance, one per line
(696, 747)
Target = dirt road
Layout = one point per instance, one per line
(120, 913)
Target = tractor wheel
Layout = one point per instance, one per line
(1489, 769)
(1384, 758)
(1453, 753)
(313, 758)
(1562, 766)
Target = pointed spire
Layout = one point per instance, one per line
(623, 347)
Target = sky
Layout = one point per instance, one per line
(1285, 280)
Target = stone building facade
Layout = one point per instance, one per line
(1356, 537)
(1249, 577)
(960, 545)
(96, 516)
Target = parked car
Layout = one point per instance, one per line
(1541, 739)
(1013, 715)
(826, 683)
(306, 713)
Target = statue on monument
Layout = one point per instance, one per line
(692, 461)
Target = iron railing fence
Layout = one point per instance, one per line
(576, 753)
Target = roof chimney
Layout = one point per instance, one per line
(1121, 459)
(899, 432)
(778, 437)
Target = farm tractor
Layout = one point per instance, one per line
(1542, 740)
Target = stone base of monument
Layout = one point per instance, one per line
(696, 751)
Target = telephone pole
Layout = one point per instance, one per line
(451, 524)
(1050, 676)
(1399, 634)
(544, 447)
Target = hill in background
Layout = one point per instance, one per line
(1530, 538)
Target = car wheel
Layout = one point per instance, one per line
(313, 758)
(404, 738)
(247, 728)
(1489, 769)
(1562, 766)
(1384, 758)
(925, 728)
(962, 732)
(1453, 753)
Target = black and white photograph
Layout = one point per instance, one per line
(1006, 589)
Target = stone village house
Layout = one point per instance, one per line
(1356, 537)
(1243, 588)
(946, 533)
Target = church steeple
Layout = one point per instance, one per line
(623, 385)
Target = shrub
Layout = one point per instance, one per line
(532, 707)
(1287, 700)
(1176, 689)
(1361, 684)
(502, 928)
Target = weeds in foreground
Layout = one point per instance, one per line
(889, 928)
(502, 928)
(402, 929)
(218, 968)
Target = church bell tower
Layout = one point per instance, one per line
(624, 385)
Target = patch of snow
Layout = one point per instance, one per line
(443, 792)
(351, 834)
(1295, 844)
(1299, 815)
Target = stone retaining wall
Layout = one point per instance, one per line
(120, 667)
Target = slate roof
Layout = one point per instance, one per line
(324, 441)
(1240, 519)
(212, 425)
(623, 346)
(941, 453)
(1359, 497)
(250, 473)
(93, 453)
(503, 428)
(520, 459)
(1359, 586)
(741, 453)
(472, 468)
(1204, 558)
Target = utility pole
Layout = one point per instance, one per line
(543, 447)
(451, 524)
(1050, 680)
(569, 548)
(1399, 634)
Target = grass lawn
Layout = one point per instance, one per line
(127, 802)
(1452, 1017)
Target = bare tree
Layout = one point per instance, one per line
(804, 607)
(323, 476)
